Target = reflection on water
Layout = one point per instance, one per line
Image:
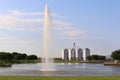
(63, 69)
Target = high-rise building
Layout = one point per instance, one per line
(73, 54)
(79, 54)
(66, 54)
(86, 53)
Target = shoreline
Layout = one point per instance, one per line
(111, 64)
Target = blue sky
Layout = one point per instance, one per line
(90, 23)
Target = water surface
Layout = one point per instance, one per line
(62, 69)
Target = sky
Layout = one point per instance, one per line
(92, 24)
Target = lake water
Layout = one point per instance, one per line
(62, 69)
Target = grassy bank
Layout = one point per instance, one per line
(4, 64)
(61, 78)
(76, 61)
(25, 61)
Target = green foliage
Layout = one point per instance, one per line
(5, 56)
(102, 58)
(96, 57)
(32, 57)
(89, 58)
(66, 61)
(20, 57)
(116, 55)
(57, 58)
(16, 57)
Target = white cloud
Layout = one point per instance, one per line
(16, 12)
(29, 24)
(7, 20)
(76, 34)
(61, 25)
(58, 16)
(18, 22)
(32, 24)
(20, 13)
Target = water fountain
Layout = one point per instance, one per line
(47, 58)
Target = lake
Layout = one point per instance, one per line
(62, 69)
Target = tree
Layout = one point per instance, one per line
(89, 58)
(96, 57)
(116, 55)
(102, 58)
(32, 57)
(6, 56)
(19, 56)
(15, 53)
(15, 56)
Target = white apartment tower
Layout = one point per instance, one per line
(75, 53)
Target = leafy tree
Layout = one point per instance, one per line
(15, 57)
(19, 56)
(102, 57)
(96, 57)
(15, 53)
(89, 58)
(116, 55)
(5, 56)
(24, 56)
(32, 57)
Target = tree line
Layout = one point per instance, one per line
(115, 55)
(96, 57)
(15, 56)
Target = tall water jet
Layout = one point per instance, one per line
(47, 58)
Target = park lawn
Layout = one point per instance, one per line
(60, 78)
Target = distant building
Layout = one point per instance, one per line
(66, 54)
(86, 53)
(75, 53)
(79, 54)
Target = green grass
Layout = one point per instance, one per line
(60, 78)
